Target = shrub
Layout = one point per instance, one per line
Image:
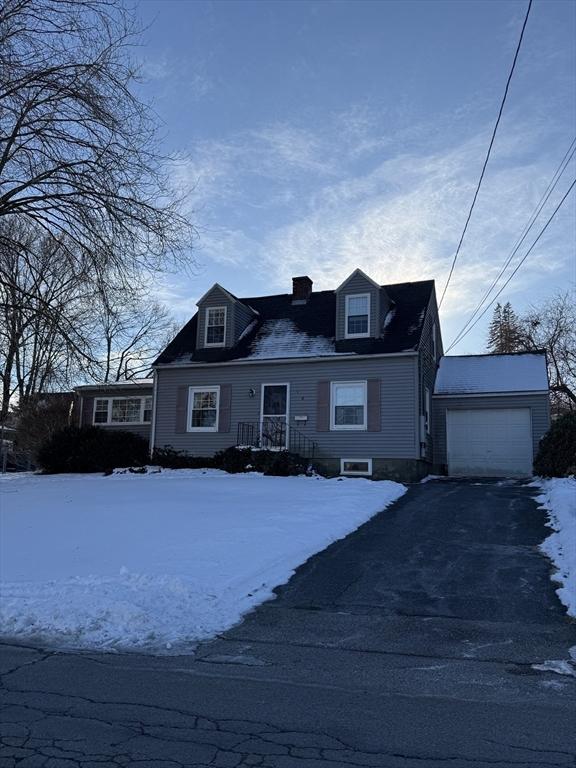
(280, 463)
(556, 455)
(170, 458)
(91, 449)
(234, 460)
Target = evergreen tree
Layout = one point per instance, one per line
(495, 329)
(504, 334)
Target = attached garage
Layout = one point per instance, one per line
(490, 412)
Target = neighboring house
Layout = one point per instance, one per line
(117, 405)
(347, 377)
(490, 412)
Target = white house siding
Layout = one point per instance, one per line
(397, 439)
(538, 404)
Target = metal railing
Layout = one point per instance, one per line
(275, 436)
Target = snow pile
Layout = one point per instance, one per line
(559, 498)
(161, 560)
(282, 338)
(491, 373)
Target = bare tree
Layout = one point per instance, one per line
(132, 331)
(44, 340)
(78, 151)
(552, 327)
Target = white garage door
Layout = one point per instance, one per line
(489, 442)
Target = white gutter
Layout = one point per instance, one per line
(284, 360)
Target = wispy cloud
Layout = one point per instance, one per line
(398, 218)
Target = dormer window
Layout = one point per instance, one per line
(357, 316)
(215, 327)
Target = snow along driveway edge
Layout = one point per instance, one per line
(558, 498)
(158, 562)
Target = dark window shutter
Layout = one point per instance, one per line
(225, 407)
(181, 409)
(87, 410)
(374, 418)
(323, 407)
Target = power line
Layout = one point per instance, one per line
(503, 102)
(531, 221)
(517, 267)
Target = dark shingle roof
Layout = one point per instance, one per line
(316, 319)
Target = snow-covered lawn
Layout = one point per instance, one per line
(559, 498)
(159, 561)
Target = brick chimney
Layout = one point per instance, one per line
(301, 289)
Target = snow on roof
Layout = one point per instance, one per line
(282, 338)
(491, 373)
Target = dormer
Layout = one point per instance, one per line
(222, 319)
(361, 306)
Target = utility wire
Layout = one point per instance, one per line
(503, 102)
(571, 151)
(517, 267)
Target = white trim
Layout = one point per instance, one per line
(110, 423)
(347, 300)
(518, 393)
(362, 274)
(368, 473)
(191, 391)
(112, 385)
(154, 404)
(348, 427)
(269, 360)
(434, 341)
(275, 384)
(206, 315)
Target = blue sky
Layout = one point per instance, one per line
(316, 137)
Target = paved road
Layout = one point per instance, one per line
(409, 644)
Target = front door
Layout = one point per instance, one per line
(274, 417)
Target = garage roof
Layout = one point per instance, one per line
(478, 374)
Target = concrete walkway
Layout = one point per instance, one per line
(409, 644)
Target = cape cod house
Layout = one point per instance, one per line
(346, 377)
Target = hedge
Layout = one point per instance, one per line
(556, 455)
(91, 449)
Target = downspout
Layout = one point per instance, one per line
(153, 426)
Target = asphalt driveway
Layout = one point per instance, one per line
(412, 642)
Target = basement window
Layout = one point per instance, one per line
(361, 467)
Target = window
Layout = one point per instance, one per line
(348, 405)
(126, 410)
(147, 409)
(203, 405)
(122, 410)
(101, 412)
(434, 349)
(358, 315)
(355, 466)
(427, 410)
(215, 326)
